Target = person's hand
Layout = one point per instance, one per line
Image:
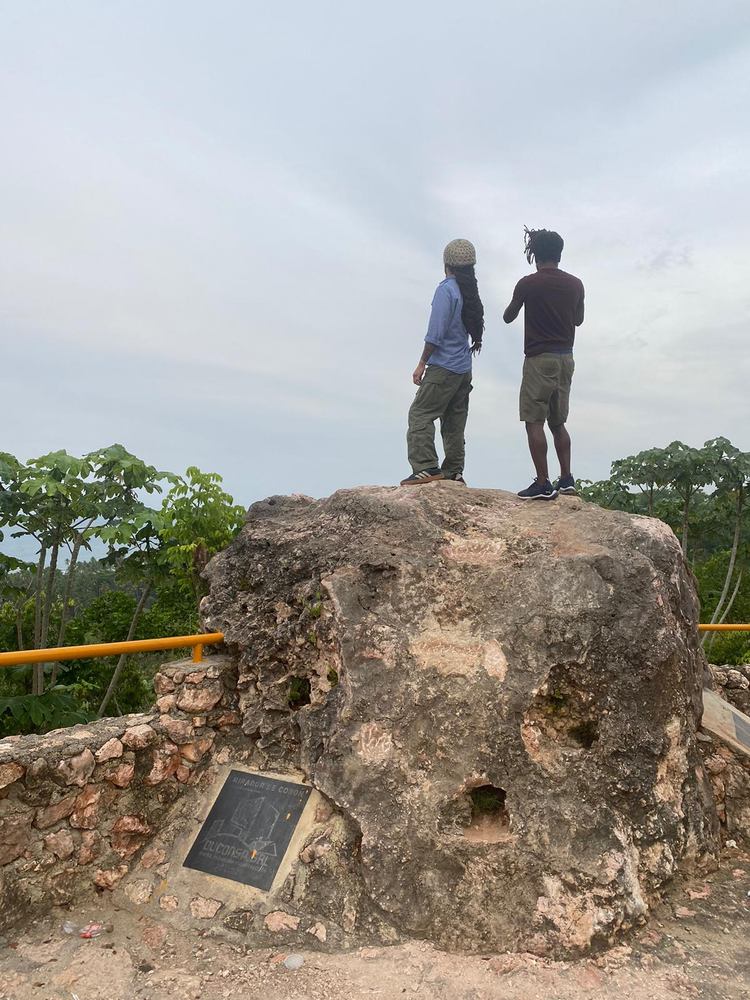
(418, 373)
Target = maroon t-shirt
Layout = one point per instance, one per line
(550, 298)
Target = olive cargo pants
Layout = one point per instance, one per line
(444, 395)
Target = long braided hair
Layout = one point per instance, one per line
(472, 312)
(542, 245)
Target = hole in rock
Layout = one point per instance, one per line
(489, 821)
(585, 734)
(299, 693)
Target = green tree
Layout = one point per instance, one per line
(731, 474)
(137, 550)
(648, 471)
(198, 519)
(62, 502)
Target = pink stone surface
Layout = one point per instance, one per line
(85, 815)
(109, 877)
(154, 936)
(205, 908)
(200, 699)
(152, 857)
(163, 684)
(9, 773)
(111, 749)
(129, 834)
(54, 813)
(278, 920)
(167, 703)
(139, 737)
(166, 761)
(15, 832)
(121, 776)
(77, 770)
(61, 843)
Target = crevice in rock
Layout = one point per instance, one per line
(490, 819)
(299, 693)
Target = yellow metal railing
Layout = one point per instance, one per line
(724, 628)
(176, 642)
(112, 649)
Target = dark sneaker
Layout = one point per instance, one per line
(418, 478)
(566, 486)
(537, 492)
(457, 477)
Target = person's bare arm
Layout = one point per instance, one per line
(579, 311)
(515, 305)
(419, 370)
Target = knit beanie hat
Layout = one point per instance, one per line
(459, 253)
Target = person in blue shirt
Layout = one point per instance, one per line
(443, 374)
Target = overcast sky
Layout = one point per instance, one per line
(223, 224)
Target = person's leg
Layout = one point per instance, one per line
(562, 447)
(453, 426)
(429, 404)
(538, 385)
(559, 409)
(538, 448)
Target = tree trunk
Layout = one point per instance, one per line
(38, 595)
(19, 624)
(38, 669)
(732, 558)
(48, 601)
(66, 603)
(685, 517)
(49, 595)
(123, 659)
(651, 500)
(728, 607)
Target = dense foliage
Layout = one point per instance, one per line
(149, 583)
(704, 495)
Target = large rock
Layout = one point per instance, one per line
(501, 697)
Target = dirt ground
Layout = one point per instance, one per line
(697, 944)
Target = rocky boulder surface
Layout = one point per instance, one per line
(499, 699)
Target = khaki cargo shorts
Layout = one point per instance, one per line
(545, 389)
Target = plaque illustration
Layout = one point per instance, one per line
(248, 830)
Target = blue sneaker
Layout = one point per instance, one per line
(537, 492)
(567, 486)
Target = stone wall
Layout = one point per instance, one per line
(80, 807)
(727, 769)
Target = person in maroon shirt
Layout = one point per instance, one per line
(553, 302)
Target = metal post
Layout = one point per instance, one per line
(198, 653)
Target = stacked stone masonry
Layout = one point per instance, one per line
(82, 807)
(727, 770)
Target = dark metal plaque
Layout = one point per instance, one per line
(742, 729)
(249, 828)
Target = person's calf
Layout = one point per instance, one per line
(538, 448)
(561, 440)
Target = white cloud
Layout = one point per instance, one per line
(222, 232)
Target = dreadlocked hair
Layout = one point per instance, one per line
(472, 311)
(542, 245)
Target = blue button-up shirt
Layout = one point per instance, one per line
(447, 331)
